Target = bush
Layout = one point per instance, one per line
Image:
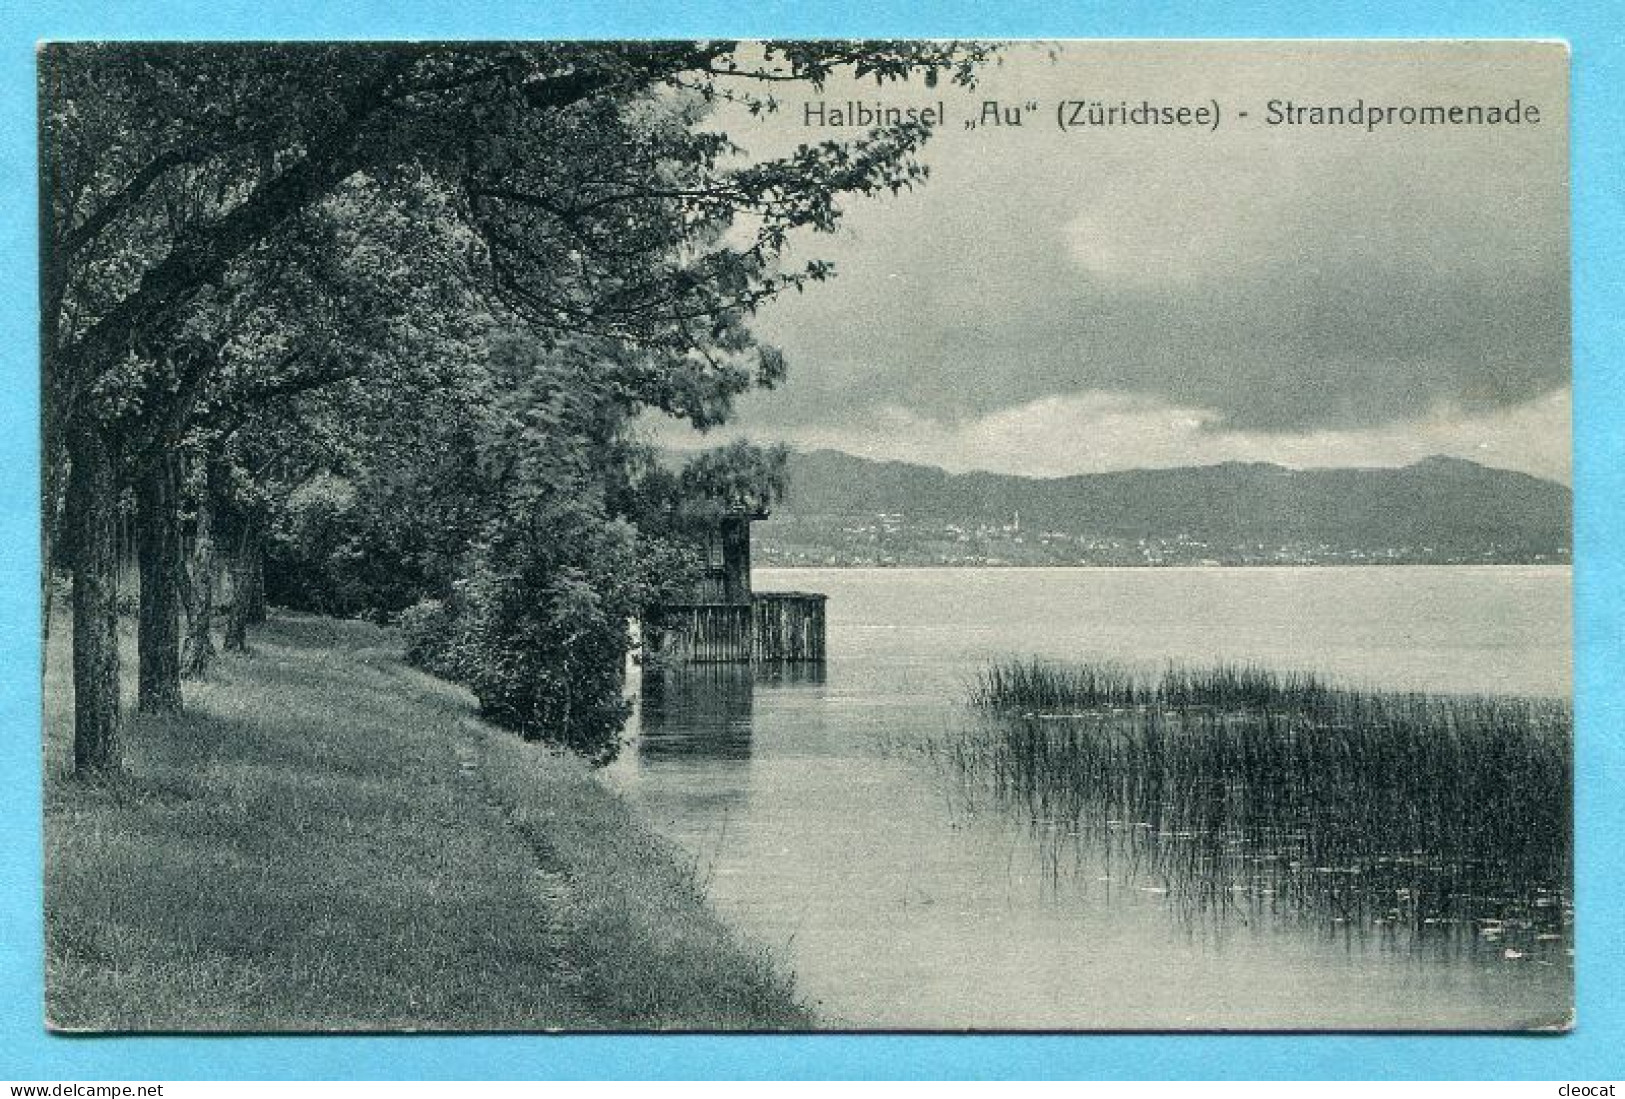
(548, 662)
(538, 623)
(337, 550)
(429, 629)
(538, 630)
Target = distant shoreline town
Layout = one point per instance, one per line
(844, 511)
(889, 541)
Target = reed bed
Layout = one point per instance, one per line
(1053, 688)
(1443, 817)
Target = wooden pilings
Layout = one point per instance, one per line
(774, 627)
(788, 626)
(703, 633)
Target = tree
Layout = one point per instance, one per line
(551, 584)
(738, 479)
(175, 177)
(357, 345)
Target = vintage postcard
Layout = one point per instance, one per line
(810, 535)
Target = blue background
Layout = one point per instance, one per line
(1597, 34)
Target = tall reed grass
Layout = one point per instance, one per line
(1446, 816)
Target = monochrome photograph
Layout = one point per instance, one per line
(829, 535)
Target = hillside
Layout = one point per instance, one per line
(328, 839)
(847, 510)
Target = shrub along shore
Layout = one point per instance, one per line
(329, 839)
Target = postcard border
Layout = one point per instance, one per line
(1597, 36)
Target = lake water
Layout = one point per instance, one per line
(822, 835)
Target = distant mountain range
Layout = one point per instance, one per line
(848, 510)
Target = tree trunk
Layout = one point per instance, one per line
(241, 567)
(92, 536)
(256, 583)
(53, 460)
(200, 587)
(158, 643)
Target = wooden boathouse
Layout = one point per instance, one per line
(726, 622)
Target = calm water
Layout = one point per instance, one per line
(821, 834)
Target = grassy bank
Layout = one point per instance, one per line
(329, 839)
(1237, 786)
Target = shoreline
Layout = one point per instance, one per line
(328, 839)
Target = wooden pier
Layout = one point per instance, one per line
(726, 622)
(788, 627)
(773, 628)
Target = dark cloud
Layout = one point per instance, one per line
(1287, 280)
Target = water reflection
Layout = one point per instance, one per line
(702, 712)
(707, 711)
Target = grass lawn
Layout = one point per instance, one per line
(330, 839)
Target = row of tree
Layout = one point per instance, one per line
(372, 323)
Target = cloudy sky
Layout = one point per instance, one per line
(1053, 303)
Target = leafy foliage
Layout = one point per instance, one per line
(408, 297)
(537, 624)
(737, 479)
